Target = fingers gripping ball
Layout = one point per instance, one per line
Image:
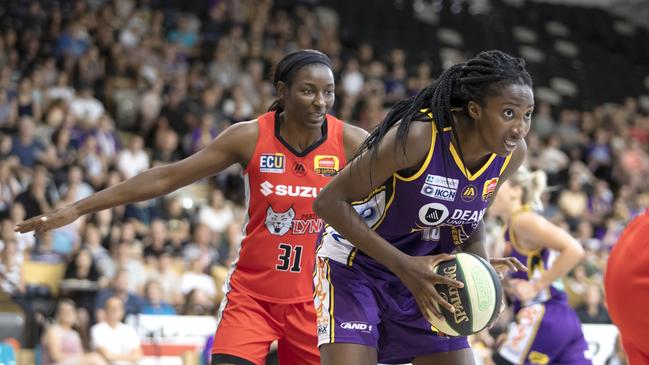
(477, 304)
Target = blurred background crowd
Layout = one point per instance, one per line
(94, 92)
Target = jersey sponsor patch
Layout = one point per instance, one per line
(489, 188)
(433, 214)
(272, 162)
(267, 188)
(440, 187)
(326, 165)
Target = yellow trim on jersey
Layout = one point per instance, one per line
(429, 157)
(512, 234)
(352, 254)
(332, 321)
(535, 331)
(465, 171)
(387, 205)
(350, 259)
(509, 157)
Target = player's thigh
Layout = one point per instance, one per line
(458, 357)
(346, 305)
(347, 353)
(244, 332)
(299, 343)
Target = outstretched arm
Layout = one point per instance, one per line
(234, 145)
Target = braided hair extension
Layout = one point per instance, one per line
(482, 76)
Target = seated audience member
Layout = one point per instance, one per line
(197, 303)
(81, 283)
(593, 310)
(195, 278)
(117, 342)
(62, 344)
(131, 302)
(153, 302)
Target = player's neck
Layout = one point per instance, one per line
(297, 134)
(473, 152)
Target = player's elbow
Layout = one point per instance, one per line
(322, 204)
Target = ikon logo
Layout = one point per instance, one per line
(360, 326)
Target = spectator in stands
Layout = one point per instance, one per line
(118, 343)
(153, 301)
(37, 199)
(573, 203)
(203, 247)
(195, 278)
(131, 303)
(24, 145)
(593, 310)
(81, 282)
(217, 215)
(45, 250)
(62, 344)
(197, 303)
(169, 279)
(124, 259)
(133, 160)
(157, 242)
(11, 271)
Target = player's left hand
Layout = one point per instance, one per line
(502, 265)
(524, 290)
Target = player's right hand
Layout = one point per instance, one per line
(54, 219)
(416, 273)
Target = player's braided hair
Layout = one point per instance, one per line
(478, 78)
(290, 64)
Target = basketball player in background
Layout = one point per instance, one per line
(627, 289)
(288, 155)
(547, 329)
(416, 193)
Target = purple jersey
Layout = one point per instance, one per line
(537, 262)
(430, 212)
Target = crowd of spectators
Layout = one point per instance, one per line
(94, 92)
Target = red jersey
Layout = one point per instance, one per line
(277, 254)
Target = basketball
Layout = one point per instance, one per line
(476, 304)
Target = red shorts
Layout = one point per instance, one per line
(627, 289)
(248, 326)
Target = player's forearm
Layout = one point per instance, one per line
(147, 185)
(345, 220)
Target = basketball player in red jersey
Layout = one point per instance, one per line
(288, 155)
(627, 289)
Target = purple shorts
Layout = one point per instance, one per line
(355, 306)
(547, 333)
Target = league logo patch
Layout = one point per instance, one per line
(299, 170)
(469, 193)
(489, 188)
(272, 162)
(433, 214)
(326, 165)
(440, 187)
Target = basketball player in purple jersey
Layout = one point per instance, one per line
(547, 329)
(417, 192)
